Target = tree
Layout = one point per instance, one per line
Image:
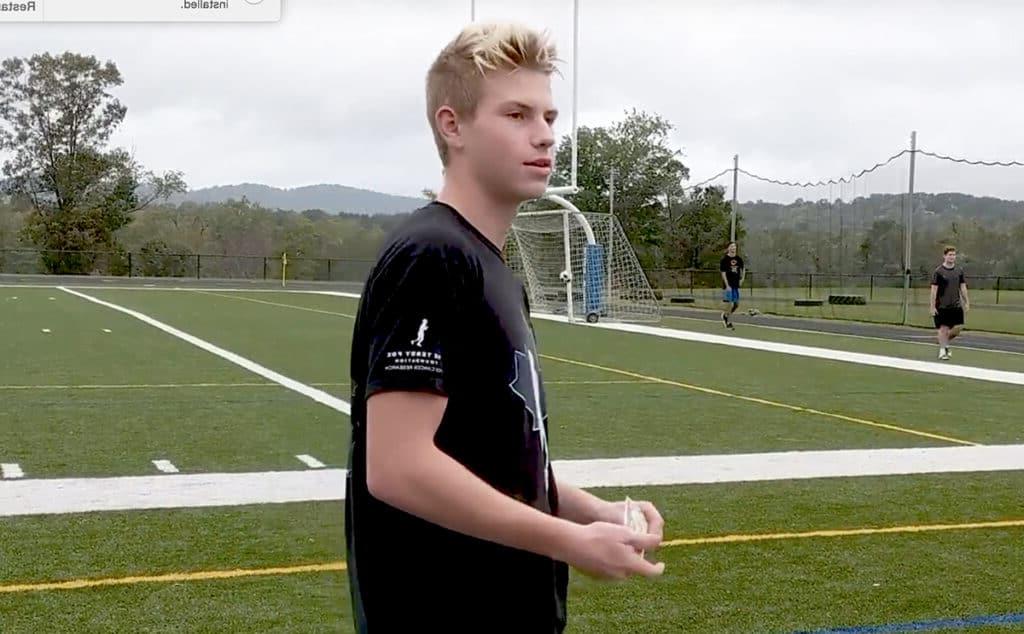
(699, 231)
(882, 248)
(56, 118)
(646, 173)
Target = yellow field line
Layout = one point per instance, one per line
(174, 577)
(850, 532)
(336, 566)
(261, 301)
(761, 401)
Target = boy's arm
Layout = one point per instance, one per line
(581, 507)
(934, 296)
(963, 295)
(406, 470)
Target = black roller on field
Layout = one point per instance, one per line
(847, 300)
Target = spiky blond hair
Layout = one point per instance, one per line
(456, 76)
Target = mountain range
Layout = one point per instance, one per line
(332, 199)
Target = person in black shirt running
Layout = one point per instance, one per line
(733, 271)
(949, 300)
(455, 518)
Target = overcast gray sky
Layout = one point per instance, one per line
(801, 90)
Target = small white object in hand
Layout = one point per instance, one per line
(635, 519)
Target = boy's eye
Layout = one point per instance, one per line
(516, 115)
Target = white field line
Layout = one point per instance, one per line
(310, 461)
(927, 340)
(827, 354)
(11, 471)
(79, 495)
(165, 466)
(877, 360)
(317, 395)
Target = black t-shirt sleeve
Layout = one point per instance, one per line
(963, 278)
(413, 306)
(936, 278)
(723, 265)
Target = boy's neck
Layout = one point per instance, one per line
(491, 218)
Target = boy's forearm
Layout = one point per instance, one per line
(437, 488)
(581, 507)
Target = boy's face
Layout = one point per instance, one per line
(950, 258)
(508, 143)
(731, 251)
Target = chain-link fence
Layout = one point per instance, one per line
(997, 302)
(196, 266)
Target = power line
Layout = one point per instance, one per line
(706, 181)
(970, 162)
(831, 181)
(853, 177)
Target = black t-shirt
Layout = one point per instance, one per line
(441, 312)
(948, 280)
(732, 267)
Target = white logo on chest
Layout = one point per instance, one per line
(526, 385)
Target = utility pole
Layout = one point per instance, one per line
(909, 231)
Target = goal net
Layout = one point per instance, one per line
(580, 264)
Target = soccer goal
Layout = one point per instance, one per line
(581, 265)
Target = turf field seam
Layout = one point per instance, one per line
(319, 396)
(761, 401)
(340, 565)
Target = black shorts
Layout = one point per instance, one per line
(949, 317)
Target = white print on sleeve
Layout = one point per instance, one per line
(415, 360)
(418, 341)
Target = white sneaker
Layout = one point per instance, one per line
(943, 356)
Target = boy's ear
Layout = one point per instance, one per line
(447, 122)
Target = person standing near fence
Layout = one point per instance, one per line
(949, 300)
(733, 271)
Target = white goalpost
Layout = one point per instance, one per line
(579, 265)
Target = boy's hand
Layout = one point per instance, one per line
(610, 551)
(615, 512)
